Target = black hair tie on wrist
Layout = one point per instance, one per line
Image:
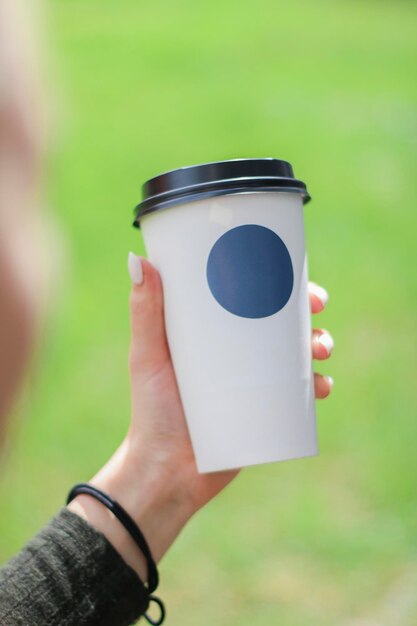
(136, 534)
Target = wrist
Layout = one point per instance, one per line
(151, 492)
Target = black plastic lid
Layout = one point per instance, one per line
(197, 182)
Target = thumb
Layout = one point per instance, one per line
(149, 347)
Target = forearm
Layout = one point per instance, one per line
(70, 573)
(151, 494)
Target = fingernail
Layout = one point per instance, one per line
(326, 340)
(321, 293)
(330, 381)
(134, 265)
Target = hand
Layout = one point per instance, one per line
(153, 474)
(158, 421)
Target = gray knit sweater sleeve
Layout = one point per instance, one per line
(70, 575)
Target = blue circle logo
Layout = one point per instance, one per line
(249, 271)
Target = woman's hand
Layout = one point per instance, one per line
(153, 474)
(158, 422)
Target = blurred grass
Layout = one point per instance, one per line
(329, 86)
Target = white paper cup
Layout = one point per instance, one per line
(228, 241)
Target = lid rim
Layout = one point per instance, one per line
(244, 180)
(187, 198)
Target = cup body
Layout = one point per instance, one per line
(244, 374)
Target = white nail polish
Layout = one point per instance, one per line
(320, 293)
(327, 341)
(330, 381)
(134, 265)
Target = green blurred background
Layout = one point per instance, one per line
(142, 87)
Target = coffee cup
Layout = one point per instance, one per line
(228, 241)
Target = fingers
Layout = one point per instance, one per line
(149, 347)
(322, 344)
(318, 297)
(322, 348)
(322, 386)
(322, 341)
